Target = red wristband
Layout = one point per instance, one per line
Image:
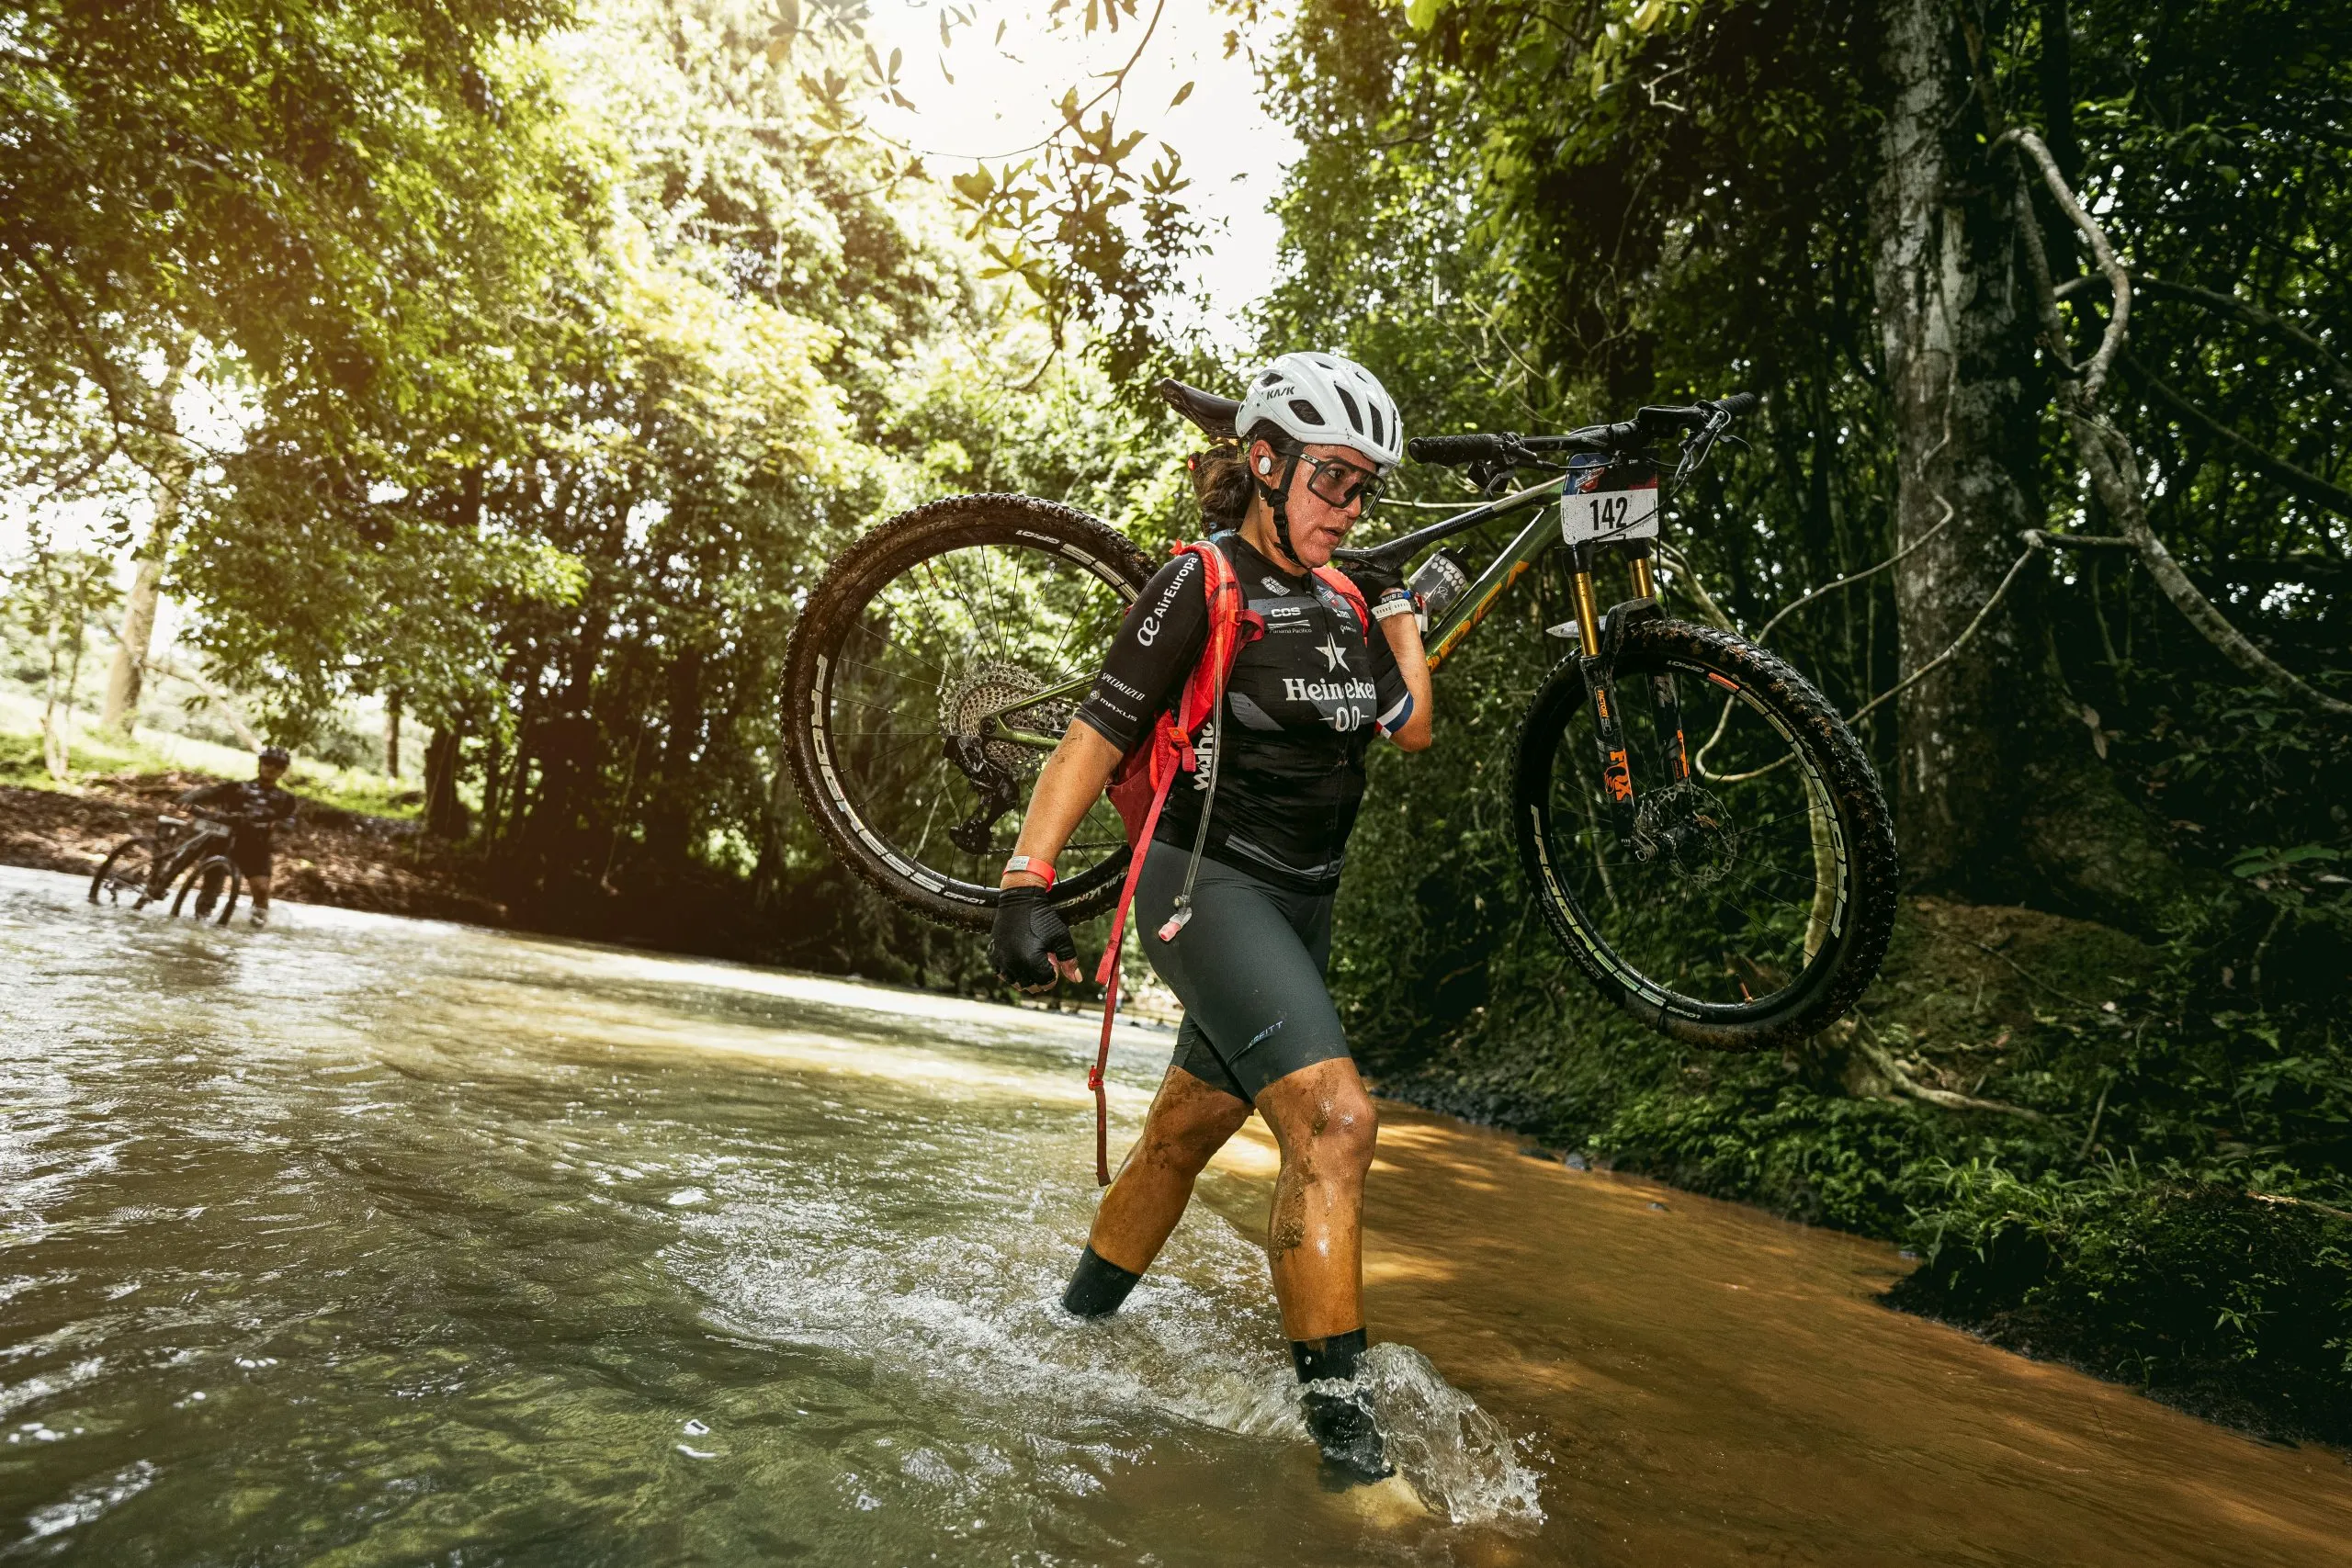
(1032, 865)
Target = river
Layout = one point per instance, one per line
(372, 1241)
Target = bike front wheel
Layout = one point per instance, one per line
(935, 668)
(124, 874)
(1742, 905)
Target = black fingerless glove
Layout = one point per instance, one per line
(1029, 935)
(1379, 583)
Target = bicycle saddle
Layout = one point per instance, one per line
(1211, 413)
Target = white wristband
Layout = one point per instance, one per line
(1393, 604)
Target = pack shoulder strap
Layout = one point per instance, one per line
(1169, 751)
(1339, 583)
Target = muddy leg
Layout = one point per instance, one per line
(1326, 1125)
(1189, 1123)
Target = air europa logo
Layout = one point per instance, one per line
(1148, 632)
(1300, 691)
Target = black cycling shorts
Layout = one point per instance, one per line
(252, 853)
(1249, 968)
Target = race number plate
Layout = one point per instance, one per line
(1603, 516)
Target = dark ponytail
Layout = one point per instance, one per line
(1221, 482)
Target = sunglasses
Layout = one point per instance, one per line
(1338, 482)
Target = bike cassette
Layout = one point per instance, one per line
(968, 704)
(1690, 829)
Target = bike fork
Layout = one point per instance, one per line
(1669, 700)
(1600, 664)
(1600, 687)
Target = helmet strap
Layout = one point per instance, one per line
(1277, 498)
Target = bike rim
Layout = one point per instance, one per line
(1732, 899)
(914, 692)
(124, 875)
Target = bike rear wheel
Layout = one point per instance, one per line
(222, 895)
(934, 666)
(1753, 902)
(124, 874)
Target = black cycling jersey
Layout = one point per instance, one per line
(1305, 701)
(262, 806)
(255, 810)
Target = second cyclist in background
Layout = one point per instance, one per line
(255, 808)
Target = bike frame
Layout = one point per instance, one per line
(202, 832)
(1448, 631)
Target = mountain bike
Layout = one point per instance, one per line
(191, 850)
(1703, 834)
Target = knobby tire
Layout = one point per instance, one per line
(1844, 966)
(832, 615)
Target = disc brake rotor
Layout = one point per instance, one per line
(1690, 828)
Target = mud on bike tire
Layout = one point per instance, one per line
(831, 616)
(1847, 962)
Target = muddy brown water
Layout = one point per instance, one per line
(376, 1241)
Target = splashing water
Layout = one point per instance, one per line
(1458, 1458)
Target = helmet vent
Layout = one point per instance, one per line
(1355, 418)
(1307, 410)
(1377, 433)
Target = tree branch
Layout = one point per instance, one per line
(2114, 469)
(2034, 537)
(2251, 314)
(2308, 485)
(1852, 578)
(212, 693)
(2118, 281)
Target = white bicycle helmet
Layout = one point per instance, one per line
(1326, 399)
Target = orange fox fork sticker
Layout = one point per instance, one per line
(1620, 777)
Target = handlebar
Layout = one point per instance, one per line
(211, 814)
(1620, 439)
(1453, 451)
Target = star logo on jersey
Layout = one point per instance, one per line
(1334, 655)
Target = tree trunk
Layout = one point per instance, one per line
(128, 672)
(393, 734)
(127, 677)
(1999, 795)
(444, 814)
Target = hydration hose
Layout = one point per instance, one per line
(1183, 912)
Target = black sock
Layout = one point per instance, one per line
(1335, 1357)
(1342, 1423)
(1098, 1287)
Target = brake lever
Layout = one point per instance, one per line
(1702, 442)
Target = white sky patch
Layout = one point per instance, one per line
(1002, 99)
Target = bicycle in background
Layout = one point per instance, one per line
(184, 856)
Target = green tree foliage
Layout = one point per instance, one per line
(1532, 215)
(311, 189)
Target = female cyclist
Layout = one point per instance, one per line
(1302, 705)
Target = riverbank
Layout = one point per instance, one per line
(346, 859)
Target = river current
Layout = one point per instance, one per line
(376, 1241)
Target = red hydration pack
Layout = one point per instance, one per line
(1139, 785)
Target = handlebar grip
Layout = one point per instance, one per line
(1739, 403)
(1454, 450)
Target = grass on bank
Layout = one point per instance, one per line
(94, 753)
